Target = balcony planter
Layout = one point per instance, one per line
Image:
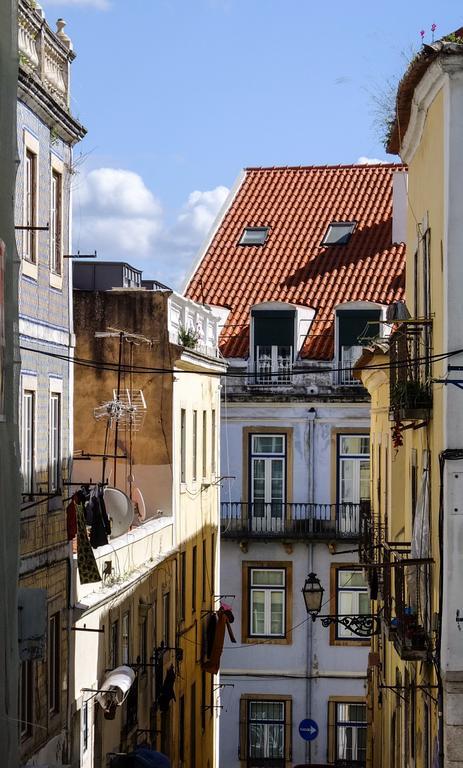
(411, 400)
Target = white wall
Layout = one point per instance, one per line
(285, 669)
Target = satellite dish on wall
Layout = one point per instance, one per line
(138, 500)
(119, 509)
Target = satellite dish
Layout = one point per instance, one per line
(119, 509)
(137, 498)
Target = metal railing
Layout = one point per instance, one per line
(406, 603)
(291, 520)
(410, 369)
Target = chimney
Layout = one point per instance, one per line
(399, 206)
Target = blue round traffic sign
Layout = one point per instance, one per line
(308, 729)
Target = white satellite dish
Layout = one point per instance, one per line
(119, 509)
(137, 498)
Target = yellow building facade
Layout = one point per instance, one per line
(159, 581)
(410, 545)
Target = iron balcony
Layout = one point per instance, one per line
(276, 520)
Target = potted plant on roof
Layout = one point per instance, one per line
(188, 337)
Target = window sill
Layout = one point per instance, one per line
(56, 281)
(267, 640)
(30, 269)
(351, 643)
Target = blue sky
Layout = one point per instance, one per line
(179, 95)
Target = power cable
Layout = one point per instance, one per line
(138, 369)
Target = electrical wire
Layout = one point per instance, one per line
(112, 367)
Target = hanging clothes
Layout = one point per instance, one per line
(71, 518)
(86, 563)
(215, 635)
(101, 526)
(167, 691)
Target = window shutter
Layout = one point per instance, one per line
(274, 328)
(331, 731)
(243, 745)
(355, 323)
(288, 730)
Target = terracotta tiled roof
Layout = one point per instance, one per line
(298, 204)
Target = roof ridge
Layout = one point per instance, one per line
(322, 167)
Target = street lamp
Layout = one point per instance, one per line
(312, 592)
(362, 625)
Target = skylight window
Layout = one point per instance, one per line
(339, 233)
(254, 236)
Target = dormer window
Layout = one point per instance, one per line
(254, 236)
(339, 233)
(354, 328)
(273, 334)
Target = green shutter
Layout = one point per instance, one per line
(355, 323)
(274, 328)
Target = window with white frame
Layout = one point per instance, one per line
(353, 469)
(213, 443)
(26, 698)
(194, 453)
(268, 477)
(267, 600)
(85, 726)
(266, 733)
(114, 644)
(351, 732)
(28, 440)
(352, 599)
(354, 328)
(55, 442)
(56, 222)
(125, 639)
(30, 205)
(183, 445)
(54, 662)
(273, 352)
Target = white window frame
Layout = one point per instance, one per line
(354, 726)
(342, 633)
(279, 371)
(268, 590)
(28, 433)
(125, 638)
(54, 663)
(29, 262)
(356, 459)
(56, 275)
(55, 451)
(183, 436)
(26, 698)
(266, 726)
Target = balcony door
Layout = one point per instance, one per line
(353, 479)
(268, 482)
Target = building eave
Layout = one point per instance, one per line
(48, 109)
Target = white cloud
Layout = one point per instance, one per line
(101, 5)
(199, 212)
(370, 161)
(116, 214)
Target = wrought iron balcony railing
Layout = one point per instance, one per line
(290, 520)
(410, 370)
(406, 604)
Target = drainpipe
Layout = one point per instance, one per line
(308, 682)
(311, 416)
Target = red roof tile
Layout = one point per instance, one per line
(298, 204)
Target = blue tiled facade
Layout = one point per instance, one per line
(39, 303)
(46, 127)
